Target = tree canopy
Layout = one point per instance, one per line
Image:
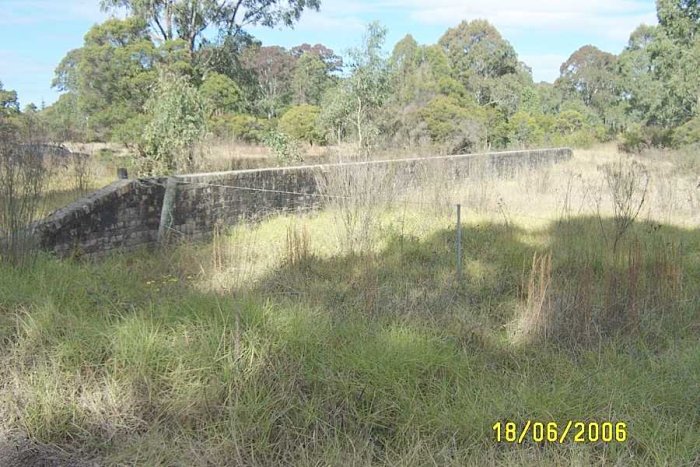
(188, 19)
(468, 91)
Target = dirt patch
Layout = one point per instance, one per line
(19, 451)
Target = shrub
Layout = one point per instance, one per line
(687, 134)
(284, 147)
(240, 127)
(451, 125)
(526, 130)
(23, 178)
(632, 140)
(640, 138)
(222, 93)
(301, 122)
(177, 123)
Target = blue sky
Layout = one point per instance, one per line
(36, 34)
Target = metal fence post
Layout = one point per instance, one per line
(459, 242)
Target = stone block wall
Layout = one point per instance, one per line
(127, 213)
(123, 215)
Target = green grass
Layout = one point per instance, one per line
(377, 357)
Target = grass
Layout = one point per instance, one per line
(274, 345)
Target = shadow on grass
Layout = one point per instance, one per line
(368, 358)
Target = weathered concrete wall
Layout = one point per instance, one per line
(127, 214)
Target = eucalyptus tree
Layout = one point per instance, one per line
(188, 19)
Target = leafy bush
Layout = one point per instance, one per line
(687, 134)
(284, 147)
(177, 121)
(639, 138)
(526, 130)
(632, 140)
(240, 127)
(301, 122)
(457, 128)
(222, 93)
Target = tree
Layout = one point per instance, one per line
(477, 54)
(457, 128)
(403, 64)
(590, 74)
(177, 116)
(188, 19)
(680, 19)
(356, 104)
(640, 89)
(9, 105)
(331, 61)
(301, 122)
(658, 68)
(310, 79)
(677, 67)
(273, 67)
(335, 111)
(368, 85)
(111, 75)
(526, 130)
(222, 94)
(226, 58)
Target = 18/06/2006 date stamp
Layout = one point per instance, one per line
(560, 433)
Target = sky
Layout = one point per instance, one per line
(36, 34)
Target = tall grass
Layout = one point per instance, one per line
(273, 345)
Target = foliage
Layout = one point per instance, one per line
(526, 130)
(177, 121)
(457, 128)
(331, 61)
(273, 67)
(367, 87)
(285, 148)
(310, 79)
(188, 19)
(589, 74)
(640, 90)
(301, 122)
(478, 54)
(335, 111)
(240, 127)
(376, 99)
(687, 134)
(638, 138)
(222, 94)
(9, 104)
(64, 120)
(23, 178)
(111, 75)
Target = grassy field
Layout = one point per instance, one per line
(278, 344)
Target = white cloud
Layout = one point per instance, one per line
(526, 13)
(545, 67)
(25, 12)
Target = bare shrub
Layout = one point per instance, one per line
(22, 180)
(82, 173)
(437, 179)
(357, 193)
(627, 183)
